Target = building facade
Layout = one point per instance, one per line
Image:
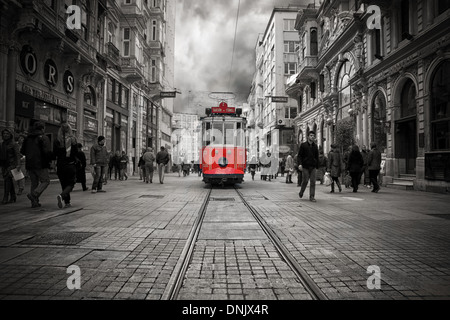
(98, 64)
(271, 111)
(377, 71)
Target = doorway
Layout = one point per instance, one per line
(406, 142)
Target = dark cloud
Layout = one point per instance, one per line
(204, 47)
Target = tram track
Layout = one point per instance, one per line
(178, 276)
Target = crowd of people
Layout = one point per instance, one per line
(353, 168)
(32, 156)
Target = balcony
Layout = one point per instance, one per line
(308, 64)
(112, 55)
(131, 69)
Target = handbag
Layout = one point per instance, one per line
(327, 179)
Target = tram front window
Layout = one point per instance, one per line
(217, 133)
(229, 133)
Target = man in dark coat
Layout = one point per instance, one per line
(162, 159)
(308, 161)
(374, 164)
(37, 151)
(355, 165)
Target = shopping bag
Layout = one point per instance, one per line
(327, 179)
(17, 174)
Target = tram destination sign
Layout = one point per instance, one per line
(223, 108)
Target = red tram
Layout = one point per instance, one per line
(223, 153)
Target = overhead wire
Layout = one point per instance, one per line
(234, 46)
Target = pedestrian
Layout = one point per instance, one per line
(37, 151)
(65, 149)
(141, 165)
(116, 164)
(81, 167)
(289, 167)
(149, 158)
(355, 165)
(123, 161)
(334, 167)
(374, 164)
(22, 162)
(110, 165)
(9, 160)
(297, 170)
(99, 161)
(308, 159)
(322, 165)
(162, 159)
(347, 179)
(365, 171)
(282, 166)
(252, 167)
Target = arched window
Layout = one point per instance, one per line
(345, 91)
(408, 100)
(89, 97)
(440, 107)
(379, 121)
(314, 46)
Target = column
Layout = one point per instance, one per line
(3, 82)
(11, 84)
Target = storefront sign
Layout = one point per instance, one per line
(68, 82)
(28, 60)
(90, 124)
(42, 95)
(51, 72)
(72, 119)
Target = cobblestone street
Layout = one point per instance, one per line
(127, 243)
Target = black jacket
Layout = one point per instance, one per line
(355, 162)
(37, 150)
(308, 155)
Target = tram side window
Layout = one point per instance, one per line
(207, 133)
(239, 135)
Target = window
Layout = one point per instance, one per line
(117, 90)
(84, 20)
(127, 1)
(408, 100)
(126, 42)
(125, 96)
(153, 71)
(290, 68)
(154, 30)
(111, 33)
(290, 46)
(440, 108)
(89, 97)
(379, 121)
(290, 112)
(314, 45)
(110, 89)
(345, 91)
(289, 25)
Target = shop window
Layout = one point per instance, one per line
(440, 107)
(379, 121)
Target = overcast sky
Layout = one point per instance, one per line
(204, 40)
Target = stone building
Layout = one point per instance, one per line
(378, 71)
(98, 64)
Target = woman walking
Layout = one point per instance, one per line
(66, 150)
(354, 166)
(334, 167)
(81, 167)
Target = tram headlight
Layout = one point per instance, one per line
(223, 162)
